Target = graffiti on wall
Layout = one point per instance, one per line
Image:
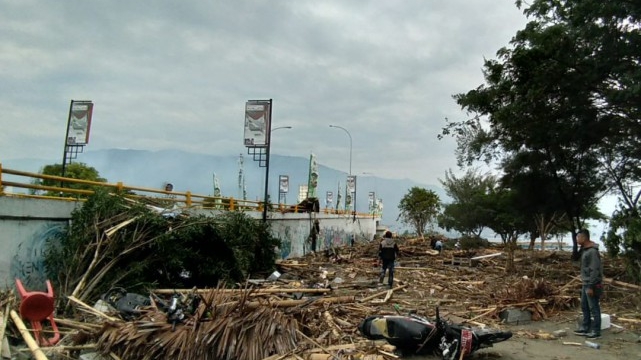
(27, 264)
(296, 240)
(334, 236)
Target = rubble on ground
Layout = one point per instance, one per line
(310, 308)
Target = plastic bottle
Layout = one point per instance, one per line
(592, 344)
(397, 308)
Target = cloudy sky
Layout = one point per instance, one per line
(176, 75)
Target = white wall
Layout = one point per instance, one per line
(27, 225)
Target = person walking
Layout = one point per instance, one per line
(387, 252)
(592, 288)
(438, 246)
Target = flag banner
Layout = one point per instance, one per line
(351, 183)
(312, 182)
(283, 181)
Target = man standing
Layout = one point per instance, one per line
(313, 234)
(592, 278)
(387, 251)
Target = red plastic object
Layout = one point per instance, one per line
(37, 306)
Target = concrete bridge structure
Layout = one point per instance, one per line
(29, 222)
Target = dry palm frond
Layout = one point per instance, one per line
(221, 328)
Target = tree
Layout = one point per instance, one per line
(468, 211)
(624, 237)
(565, 93)
(538, 200)
(418, 208)
(506, 220)
(79, 171)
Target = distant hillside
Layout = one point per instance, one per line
(194, 172)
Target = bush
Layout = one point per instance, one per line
(473, 242)
(145, 249)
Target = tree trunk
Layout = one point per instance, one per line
(510, 246)
(575, 247)
(532, 241)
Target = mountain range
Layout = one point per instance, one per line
(195, 172)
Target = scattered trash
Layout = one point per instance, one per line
(128, 304)
(103, 306)
(605, 321)
(274, 276)
(292, 298)
(592, 344)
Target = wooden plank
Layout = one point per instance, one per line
(28, 339)
(461, 261)
(487, 256)
(381, 293)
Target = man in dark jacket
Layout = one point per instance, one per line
(592, 279)
(387, 251)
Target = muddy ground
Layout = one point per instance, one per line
(615, 343)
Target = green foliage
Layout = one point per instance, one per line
(418, 208)
(624, 237)
(469, 211)
(73, 170)
(251, 240)
(473, 242)
(227, 248)
(67, 261)
(505, 218)
(563, 99)
(114, 242)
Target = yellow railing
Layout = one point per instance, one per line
(178, 198)
(186, 198)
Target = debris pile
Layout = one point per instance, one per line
(311, 309)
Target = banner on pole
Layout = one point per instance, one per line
(257, 113)
(283, 181)
(79, 122)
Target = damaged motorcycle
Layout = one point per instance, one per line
(413, 334)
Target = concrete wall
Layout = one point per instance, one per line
(27, 225)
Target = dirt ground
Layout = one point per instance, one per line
(615, 344)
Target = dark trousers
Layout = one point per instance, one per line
(388, 265)
(314, 237)
(591, 309)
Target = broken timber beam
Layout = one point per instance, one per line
(28, 339)
(381, 293)
(253, 291)
(292, 303)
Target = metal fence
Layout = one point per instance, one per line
(29, 185)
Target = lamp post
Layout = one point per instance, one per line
(350, 145)
(267, 154)
(350, 161)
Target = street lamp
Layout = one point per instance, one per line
(267, 154)
(350, 161)
(281, 127)
(350, 145)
